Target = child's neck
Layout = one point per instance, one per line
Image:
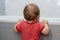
(32, 21)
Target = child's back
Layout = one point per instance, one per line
(32, 28)
(30, 31)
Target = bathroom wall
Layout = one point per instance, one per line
(2, 7)
(48, 8)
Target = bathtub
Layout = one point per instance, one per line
(7, 23)
(52, 20)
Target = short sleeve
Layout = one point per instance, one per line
(18, 26)
(41, 27)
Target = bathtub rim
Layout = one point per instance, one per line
(51, 20)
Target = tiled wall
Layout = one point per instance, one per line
(2, 7)
(48, 8)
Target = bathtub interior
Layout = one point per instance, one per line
(7, 32)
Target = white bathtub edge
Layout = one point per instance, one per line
(51, 20)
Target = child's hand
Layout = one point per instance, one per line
(20, 20)
(46, 28)
(45, 21)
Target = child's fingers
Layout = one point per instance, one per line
(45, 21)
(20, 20)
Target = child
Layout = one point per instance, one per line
(31, 28)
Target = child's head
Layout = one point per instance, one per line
(31, 12)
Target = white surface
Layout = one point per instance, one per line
(58, 3)
(51, 20)
(48, 8)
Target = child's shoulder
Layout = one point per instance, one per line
(39, 22)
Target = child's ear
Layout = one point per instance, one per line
(38, 18)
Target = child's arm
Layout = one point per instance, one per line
(45, 31)
(15, 28)
(17, 24)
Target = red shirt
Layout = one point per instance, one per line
(30, 31)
